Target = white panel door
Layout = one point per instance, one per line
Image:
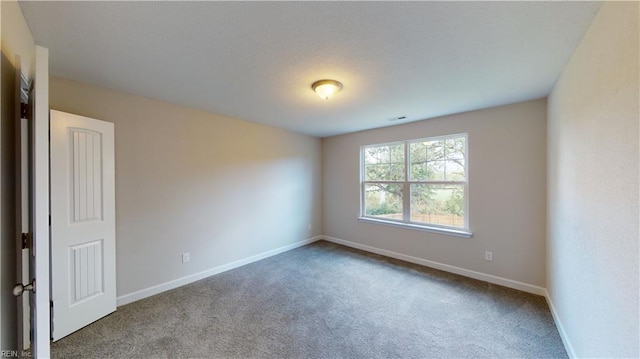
(83, 265)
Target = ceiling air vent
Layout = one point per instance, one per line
(399, 118)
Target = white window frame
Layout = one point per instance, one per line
(406, 190)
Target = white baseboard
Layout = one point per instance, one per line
(144, 293)
(529, 288)
(561, 331)
(156, 289)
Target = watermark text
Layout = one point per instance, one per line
(15, 354)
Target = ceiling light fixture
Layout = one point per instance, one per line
(326, 88)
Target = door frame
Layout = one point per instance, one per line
(40, 307)
(23, 203)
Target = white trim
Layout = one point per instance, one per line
(561, 331)
(156, 289)
(418, 227)
(529, 288)
(40, 345)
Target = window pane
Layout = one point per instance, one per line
(369, 172)
(419, 172)
(397, 172)
(455, 148)
(383, 200)
(435, 170)
(455, 170)
(397, 153)
(435, 150)
(384, 163)
(379, 154)
(438, 204)
(418, 152)
(418, 157)
(449, 170)
(444, 160)
(377, 172)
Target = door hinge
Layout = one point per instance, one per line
(51, 320)
(26, 240)
(24, 110)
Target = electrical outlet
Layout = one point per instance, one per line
(488, 256)
(185, 257)
(309, 226)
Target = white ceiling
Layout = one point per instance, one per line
(256, 60)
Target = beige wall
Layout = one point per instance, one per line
(184, 180)
(190, 181)
(16, 37)
(16, 40)
(507, 149)
(593, 188)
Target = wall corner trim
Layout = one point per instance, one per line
(163, 287)
(525, 287)
(561, 331)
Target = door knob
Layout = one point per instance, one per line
(20, 288)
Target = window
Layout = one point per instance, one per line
(418, 183)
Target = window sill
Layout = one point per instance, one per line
(417, 227)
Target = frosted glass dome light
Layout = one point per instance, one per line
(326, 88)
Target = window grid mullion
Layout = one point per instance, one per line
(406, 187)
(363, 175)
(385, 182)
(436, 182)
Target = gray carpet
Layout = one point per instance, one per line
(325, 301)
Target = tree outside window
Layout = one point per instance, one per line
(420, 181)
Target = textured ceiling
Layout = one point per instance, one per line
(256, 60)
